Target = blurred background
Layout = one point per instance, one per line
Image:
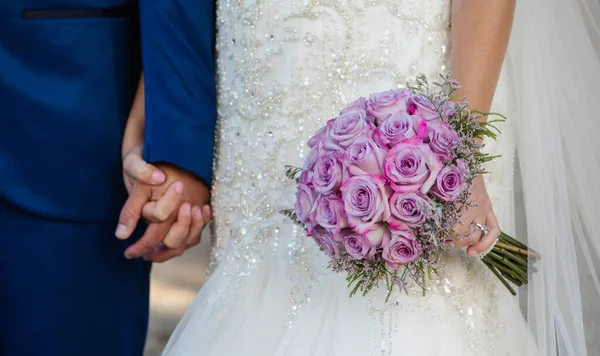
(174, 286)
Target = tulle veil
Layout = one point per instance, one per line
(555, 57)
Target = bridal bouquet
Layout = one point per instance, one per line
(382, 185)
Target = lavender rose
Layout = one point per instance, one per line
(443, 140)
(451, 182)
(379, 235)
(411, 166)
(410, 208)
(364, 156)
(358, 104)
(330, 213)
(306, 199)
(358, 246)
(319, 149)
(396, 128)
(348, 127)
(382, 105)
(420, 105)
(318, 136)
(402, 249)
(329, 173)
(366, 201)
(324, 239)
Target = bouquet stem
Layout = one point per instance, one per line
(509, 260)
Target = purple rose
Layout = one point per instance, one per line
(450, 183)
(366, 201)
(411, 166)
(443, 140)
(396, 128)
(318, 136)
(358, 104)
(319, 149)
(306, 199)
(329, 173)
(364, 156)
(330, 213)
(382, 105)
(402, 249)
(420, 105)
(379, 235)
(348, 127)
(358, 246)
(410, 208)
(324, 239)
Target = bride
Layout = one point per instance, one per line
(287, 66)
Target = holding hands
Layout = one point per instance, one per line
(172, 200)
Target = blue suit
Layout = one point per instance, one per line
(68, 74)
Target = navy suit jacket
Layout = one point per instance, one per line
(68, 74)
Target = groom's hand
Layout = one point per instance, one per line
(172, 210)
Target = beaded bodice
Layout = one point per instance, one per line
(286, 66)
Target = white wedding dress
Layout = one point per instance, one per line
(285, 67)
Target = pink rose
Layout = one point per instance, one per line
(402, 249)
(411, 166)
(324, 239)
(366, 201)
(348, 127)
(364, 156)
(382, 105)
(330, 213)
(396, 128)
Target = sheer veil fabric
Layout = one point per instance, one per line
(555, 56)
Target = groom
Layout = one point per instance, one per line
(69, 70)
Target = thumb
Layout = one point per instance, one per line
(138, 169)
(131, 211)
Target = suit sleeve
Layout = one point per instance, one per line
(179, 73)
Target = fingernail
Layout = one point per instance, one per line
(197, 213)
(472, 252)
(158, 177)
(121, 231)
(179, 187)
(187, 210)
(128, 256)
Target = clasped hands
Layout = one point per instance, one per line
(173, 201)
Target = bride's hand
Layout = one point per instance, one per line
(466, 231)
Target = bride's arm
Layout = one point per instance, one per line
(480, 33)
